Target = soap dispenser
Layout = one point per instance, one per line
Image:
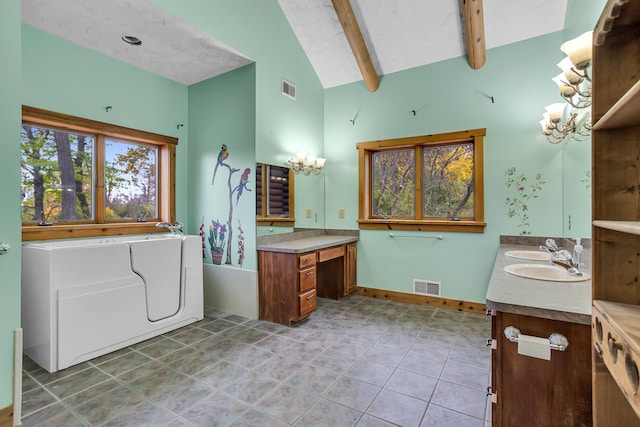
(577, 251)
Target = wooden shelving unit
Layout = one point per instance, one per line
(630, 227)
(616, 215)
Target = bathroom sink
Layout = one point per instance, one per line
(529, 255)
(552, 273)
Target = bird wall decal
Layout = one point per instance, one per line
(222, 156)
(244, 179)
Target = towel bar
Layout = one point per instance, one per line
(558, 341)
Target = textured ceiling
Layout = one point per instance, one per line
(170, 47)
(399, 34)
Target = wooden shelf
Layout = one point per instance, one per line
(616, 191)
(625, 319)
(631, 227)
(616, 338)
(624, 112)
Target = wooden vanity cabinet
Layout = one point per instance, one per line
(287, 288)
(350, 275)
(616, 214)
(532, 392)
(289, 283)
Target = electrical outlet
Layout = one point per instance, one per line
(341, 213)
(308, 213)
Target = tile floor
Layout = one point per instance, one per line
(359, 361)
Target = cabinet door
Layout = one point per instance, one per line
(350, 277)
(537, 392)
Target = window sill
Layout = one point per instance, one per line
(266, 221)
(427, 225)
(71, 231)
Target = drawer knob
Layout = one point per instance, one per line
(310, 273)
(309, 297)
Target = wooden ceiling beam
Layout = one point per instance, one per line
(356, 41)
(473, 16)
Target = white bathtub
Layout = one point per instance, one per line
(87, 297)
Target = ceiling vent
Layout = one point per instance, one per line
(426, 287)
(288, 89)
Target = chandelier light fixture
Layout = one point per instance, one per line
(306, 164)
(574, 83)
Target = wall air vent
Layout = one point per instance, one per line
(288, 89)
(426, 287)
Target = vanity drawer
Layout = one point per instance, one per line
(327, 254)
(307, 302)
(307, 279)
(306, 260)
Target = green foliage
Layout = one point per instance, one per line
(393, 184)
(130, 180)
(42, 177)
(447, 182)
(50, 169)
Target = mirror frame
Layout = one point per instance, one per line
(274, 221)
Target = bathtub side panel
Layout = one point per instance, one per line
(192, 298)
(94, 318)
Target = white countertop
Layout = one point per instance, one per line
(567, 301)
(307, 244)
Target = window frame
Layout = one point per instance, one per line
(99, 226)
(466, 225)
(274, 221)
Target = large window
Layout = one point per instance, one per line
(432, 182)
(85, 178)
(274, 195)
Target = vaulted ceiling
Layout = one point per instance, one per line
(398, 34)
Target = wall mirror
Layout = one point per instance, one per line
(576, 188)
(274, 196)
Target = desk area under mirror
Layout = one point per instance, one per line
(296, 268)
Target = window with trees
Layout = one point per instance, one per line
(274, 195)
(84, 178)
(429, 183)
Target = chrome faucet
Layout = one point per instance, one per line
(550, 246)
(565, 259)
(177, 228)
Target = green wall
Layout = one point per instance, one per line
(450, 96)
(260, 31)
(9, 190)
(215, 120)
(47, 72)
(67, 78)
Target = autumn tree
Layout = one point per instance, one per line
(447, 182)
(56, 168)
(131, 180)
